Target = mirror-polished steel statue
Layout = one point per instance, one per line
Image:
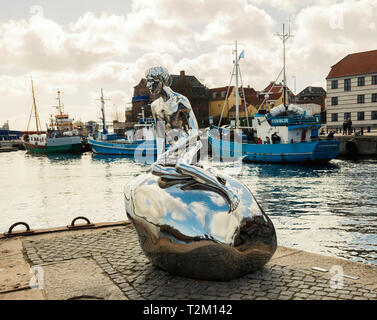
(193, 221)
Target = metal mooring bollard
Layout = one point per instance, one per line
(83, 226)
(10, 232)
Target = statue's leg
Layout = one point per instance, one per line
(205, 177)
(167, 172)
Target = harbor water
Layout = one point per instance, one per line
(330, 209)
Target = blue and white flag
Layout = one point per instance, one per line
(242, 55)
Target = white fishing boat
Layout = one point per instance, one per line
(59, 137)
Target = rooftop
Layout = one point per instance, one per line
(355, 64)
(275, 88)
(312, 91)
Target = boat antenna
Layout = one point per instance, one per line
(34, 108)
(60, 106)
(284, 37)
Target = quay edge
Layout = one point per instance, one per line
(111, 265)
(352, 146)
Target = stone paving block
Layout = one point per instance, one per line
(118, 253)
(301, 295)
(272, 296)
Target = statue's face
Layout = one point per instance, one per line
(154, 86)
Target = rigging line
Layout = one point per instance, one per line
(227, 95)
(31, 112)
(244, 98)
(270, 89)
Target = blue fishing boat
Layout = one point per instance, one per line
(139, 142)
(282, 138)
(285, 134)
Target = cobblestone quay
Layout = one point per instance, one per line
(118, 254)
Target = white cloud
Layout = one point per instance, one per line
(319, 42)
(113, 51)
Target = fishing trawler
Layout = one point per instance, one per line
(140, 140)
(59, 137)
(284, 134)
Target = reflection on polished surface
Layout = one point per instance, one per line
(194, 221)
(185, 228)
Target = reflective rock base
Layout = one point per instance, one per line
(185, 228)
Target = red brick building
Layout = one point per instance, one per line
(188, 86)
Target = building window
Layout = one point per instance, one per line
(360, 98)
(361, 81)
(223, 94)
(334, 84)
(360, 116)
(334, 117)
(374, 115)
(374, 79)
(374, 97)
(347, 84)
(214, 95)
(334, 101)
(219, 105)
(347, 115)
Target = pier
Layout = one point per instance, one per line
(12, 145)
(358, 145)
(107, 263)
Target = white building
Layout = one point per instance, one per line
(352, 91)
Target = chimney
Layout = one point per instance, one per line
(182, 74)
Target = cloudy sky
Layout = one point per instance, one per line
(82, 46)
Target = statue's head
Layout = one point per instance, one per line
(157, 77)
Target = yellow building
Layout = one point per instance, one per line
(218, 102)
(273, 95)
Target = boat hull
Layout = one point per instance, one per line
(320, 151)
(69, 146)
(145, 148)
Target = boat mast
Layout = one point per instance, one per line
(237, 104)
(284, 37)
(34, 107)
(60, 107)
(103, 113)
